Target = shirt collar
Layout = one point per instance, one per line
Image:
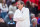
(22, 8)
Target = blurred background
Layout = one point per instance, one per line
(8, 8)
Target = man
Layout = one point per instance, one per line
(34, 22)
(21, 15)
(9, 18)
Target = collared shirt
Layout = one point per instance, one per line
(22, 17)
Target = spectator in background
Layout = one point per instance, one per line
(12, 7)
(38, 20)
(1, 14)
(34, 9)
(32, 15)
(33, 20)
(9, 18)
(8, 2)
(4, 7)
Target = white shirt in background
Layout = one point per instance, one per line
(12, 8)
(4, 9)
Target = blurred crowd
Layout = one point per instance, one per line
(8, 8)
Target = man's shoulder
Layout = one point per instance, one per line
(26, 9)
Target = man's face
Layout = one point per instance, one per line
(19, 5)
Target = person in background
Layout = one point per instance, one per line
(9, 18)
(12, 7)
(1, 14)
(8, 2)
(21, 15)
(34, 22)
(38, 20)
(32, 15)
(4, 7)
(33, 18)
(34, 9)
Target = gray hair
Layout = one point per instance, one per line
(22, 3)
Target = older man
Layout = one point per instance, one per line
(21, 15)
(9, 18)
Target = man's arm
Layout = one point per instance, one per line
(24, 16)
